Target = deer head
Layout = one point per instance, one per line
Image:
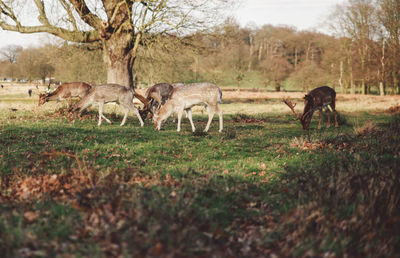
(144, 112)
(304, 119)
(42, 99)
(309, 104)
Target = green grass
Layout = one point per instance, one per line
(263, 186)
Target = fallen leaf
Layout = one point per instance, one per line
(31, 216)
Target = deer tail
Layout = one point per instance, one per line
(219, 95)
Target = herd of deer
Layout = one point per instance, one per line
(163, 99)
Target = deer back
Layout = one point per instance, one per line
(196, 93)
(66, 90)
(105, 93)
(320, 97)
(74, 89)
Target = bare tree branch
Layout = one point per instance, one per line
(86, 15)
(68, 9)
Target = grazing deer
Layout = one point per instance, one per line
(66, 91)
(185, 97)
(322, 99)
(106, 93)
(156, 96)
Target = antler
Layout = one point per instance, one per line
(291, 106)
(142, 99)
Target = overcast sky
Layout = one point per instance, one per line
(302, 14)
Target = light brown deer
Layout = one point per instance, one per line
(185, 97)
(66, 91)
(322, 99)
(106, 93)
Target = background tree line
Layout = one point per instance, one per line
(361, 57)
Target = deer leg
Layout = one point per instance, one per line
(159, 102)
(189, 115)
(100, 113)
(180, 112)
(319, 119)
(329, 120)
(126, 111)
(211, 112)
(101, 105)
(136, 111)
(336, 122)
(220, 119)
(105, 118)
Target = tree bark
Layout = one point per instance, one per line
(381, 89)
(119, 54)
(341, 77)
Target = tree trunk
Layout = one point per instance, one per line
(119, 57)
(381, 89)
(352, 85)
(250, 52)
(363, 87)
(260, 50)
(341, 77)
(278, 86)
(120, 72)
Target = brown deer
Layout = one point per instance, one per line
(106, 93)
(185, 97)
(156, 96)
(322, 99)
(66, 91)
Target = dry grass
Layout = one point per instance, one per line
(234, 101)
(367, 128)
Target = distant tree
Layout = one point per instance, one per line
(389, 18)
(11, 52)
(276, 70)
(309, 76)
(357, 19)
(12, 70)
(75, 62)
(28, 61)
(46, 71)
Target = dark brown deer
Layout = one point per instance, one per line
(322, 99)
(66, 91)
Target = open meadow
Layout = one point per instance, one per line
(261, 188)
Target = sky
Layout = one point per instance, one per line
(301, 14)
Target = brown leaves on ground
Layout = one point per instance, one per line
(394, 109)
(31, 216)
(368, 128)
(65, 113)
(243, 118)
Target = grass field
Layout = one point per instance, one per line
(263, 187)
